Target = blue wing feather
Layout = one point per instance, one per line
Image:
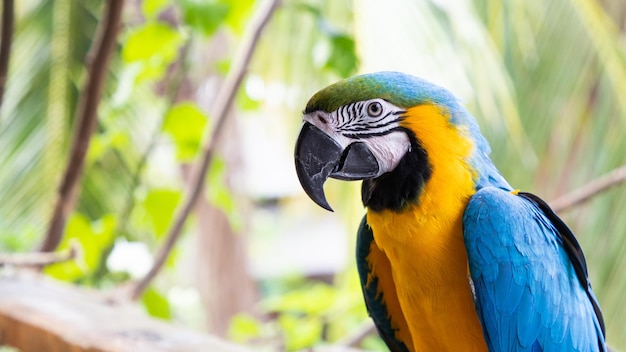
(530, 277)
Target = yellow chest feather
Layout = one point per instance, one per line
(424, 243)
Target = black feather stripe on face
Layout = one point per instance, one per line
(395, 189)
(353, 121)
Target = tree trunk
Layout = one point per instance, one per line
(222, 275)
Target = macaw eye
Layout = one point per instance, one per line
(374, 109)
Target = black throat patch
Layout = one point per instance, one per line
(402, 186)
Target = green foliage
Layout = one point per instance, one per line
(92, 238)
(336, 52)
(342, 58)
(205, 17)
(153, 46)
(16, 240)
(159, 205)
(156, 304)
(151, 8)
(244, 327)
(238, 14)
(39, 100)
(313, 299)
(300, 331)
(185, 123)
(102, 143)
(304, 314)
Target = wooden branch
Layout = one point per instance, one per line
(5, 45)
(38, 314)
(222, 104)
(86, 120)
(39, 259)
(589, 190)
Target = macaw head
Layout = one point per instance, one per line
(392, 131)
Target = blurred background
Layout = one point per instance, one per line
(258, 262)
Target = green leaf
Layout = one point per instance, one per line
(160, 204)
(204, 16)
(156, 304)
(103, 142)
(244, 327)
(92, 238)
(223, 66)
(337, 53)
(312, 299)
(155, 45)
(238, 14)
(150, 40)
(342, 59)
(300, 332)
(185, 124)
(151, 8)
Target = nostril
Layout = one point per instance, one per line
(322, 119)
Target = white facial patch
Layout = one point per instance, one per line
(388, 149)
(374, 122)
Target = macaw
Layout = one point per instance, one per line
(450, 256)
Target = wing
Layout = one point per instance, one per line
(530, 276)
(379, 291)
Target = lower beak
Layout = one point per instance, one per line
(318, 157)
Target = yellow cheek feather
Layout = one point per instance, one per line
(424, 243)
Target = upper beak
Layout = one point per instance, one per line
(318, 157)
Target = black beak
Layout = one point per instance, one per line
(319, 157)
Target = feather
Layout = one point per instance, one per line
(376, 300)
(553, 307)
